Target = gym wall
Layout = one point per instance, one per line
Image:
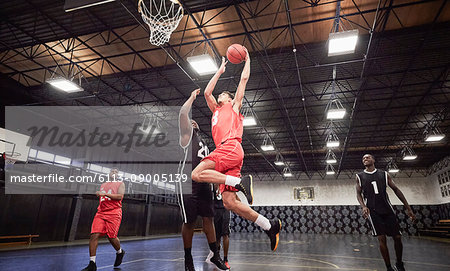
(50, 216)
(341, 191)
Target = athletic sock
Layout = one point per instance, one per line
(263, 222)
(232, 181)
(187, 253)
(225, 259)
(213, 248)
(92, 259)
(119, 251)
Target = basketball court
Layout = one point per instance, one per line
(298, 252)
(339, 95)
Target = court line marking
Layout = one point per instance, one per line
(307, 266)
(300, 258)
(334, 267)
(140, 260)
(52, 255)
(343, 256)
(289, 253)
(231, 253)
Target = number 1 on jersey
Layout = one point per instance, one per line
(375, 187)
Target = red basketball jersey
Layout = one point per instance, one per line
(227, 124)
(107, 205)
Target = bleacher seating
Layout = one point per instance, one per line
(441, 229)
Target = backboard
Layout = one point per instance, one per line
(13, 142)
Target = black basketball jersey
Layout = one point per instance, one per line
(218, 202)
(199, 151)
(374, 185)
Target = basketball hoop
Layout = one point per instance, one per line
(162, 17)
(10, 158)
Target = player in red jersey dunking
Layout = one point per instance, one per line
(223, 165)
(108, 218)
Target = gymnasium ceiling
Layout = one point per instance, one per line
(393, 88)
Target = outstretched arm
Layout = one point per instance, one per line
(237, 102)
(366, 211)
(210, 100)
(401, 197)
(184, 121)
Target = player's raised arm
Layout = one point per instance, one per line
(185, 125)
(210, 100)
(239, 96)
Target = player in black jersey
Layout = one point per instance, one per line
(200, 201)
(221, 224)
(372, 184)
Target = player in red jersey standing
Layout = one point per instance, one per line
(108, 218)
(223, 165)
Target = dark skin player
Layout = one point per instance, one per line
(369, 164)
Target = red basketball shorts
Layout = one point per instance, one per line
(229, 158)
(106, 224)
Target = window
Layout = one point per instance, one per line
(106, 170)
(443, 180)
(32, 153)
(94, 167)
(63, 160)
(45, 156)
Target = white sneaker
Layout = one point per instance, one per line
(210, 255)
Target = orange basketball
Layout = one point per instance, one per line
(236, 53)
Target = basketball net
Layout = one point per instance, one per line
(162, 17)
(10, 158)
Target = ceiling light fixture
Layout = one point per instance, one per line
(150, 125)
(434, 136)
(279, 160)
(267, 144)
(392, 167)
(408, 154)
(249, 118)
(332, 140)
(329, 170)
(287, 172)
(65, 85)
(267, 147)
(249, 121)
(330, 158)
(341, 43)
(203, 64)
(335, 109)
